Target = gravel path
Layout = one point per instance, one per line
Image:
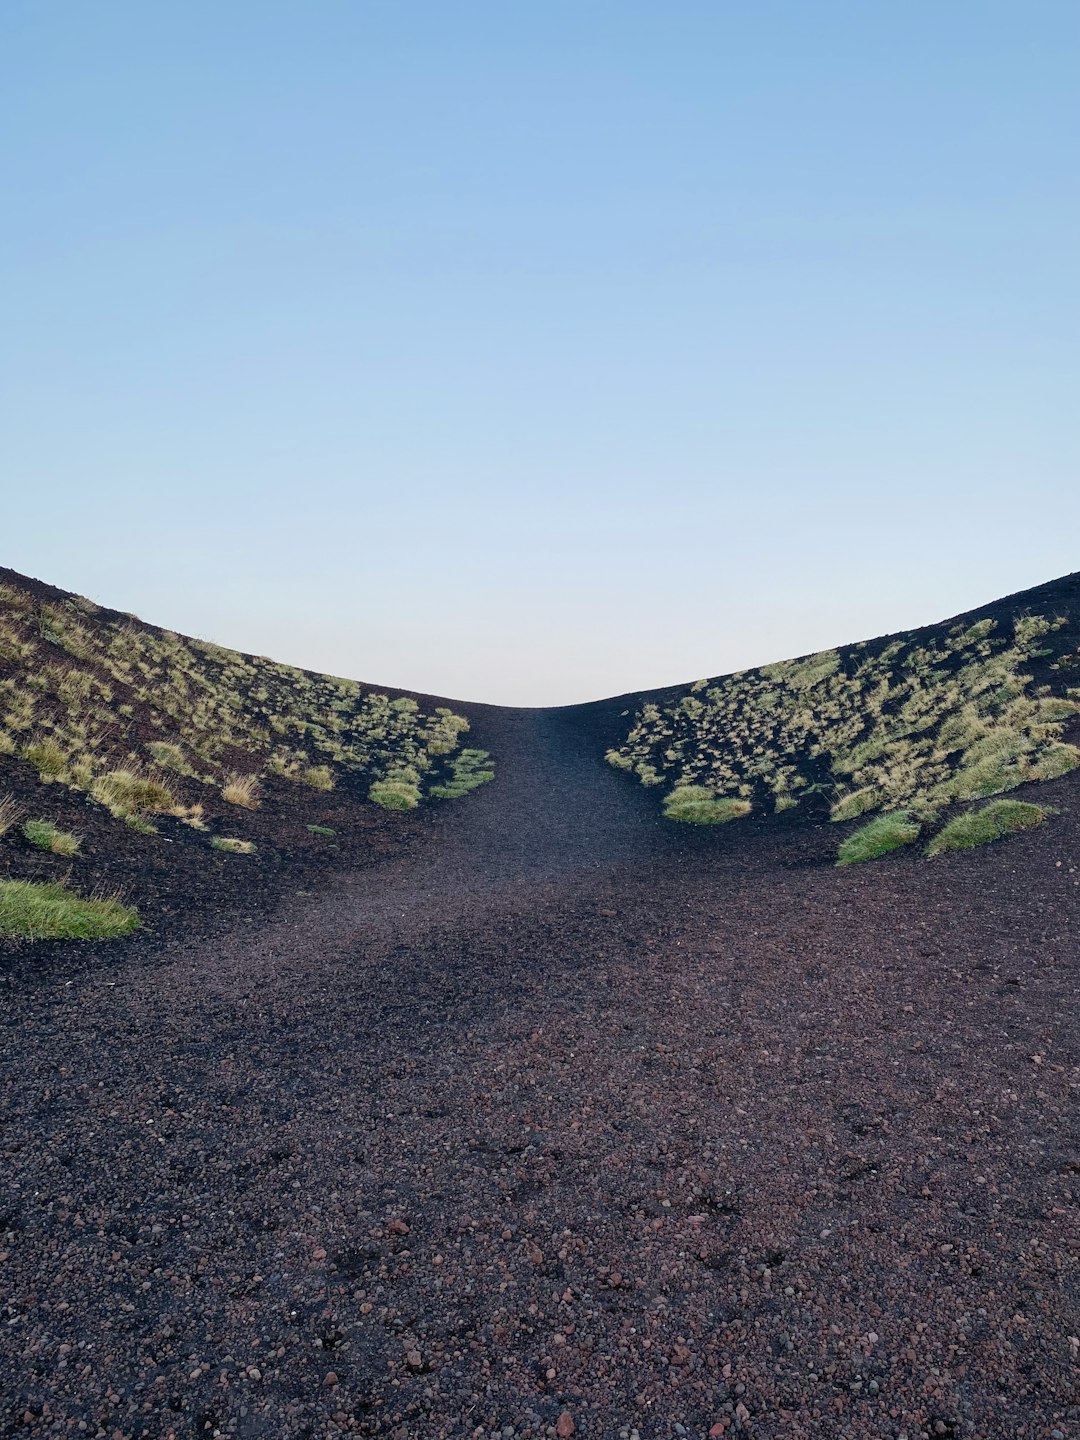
(569, 1123)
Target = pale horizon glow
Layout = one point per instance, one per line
(533, 355)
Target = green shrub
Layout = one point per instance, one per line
(47, 836)
(170, 756)
(989, 823)
(1054, 762)
(321, 830)
(125, 793)
(319, 777)
(855, 804)
(52, 912)
(395, 794)
(47, 756)
(233, 846)
(696, 805)
(471, 769)
(883, 834)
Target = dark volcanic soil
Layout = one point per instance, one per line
(566, 1122)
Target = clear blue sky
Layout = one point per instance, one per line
(538, 351)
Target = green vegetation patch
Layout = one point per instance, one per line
(232, 846)
(397, 793)
(469, 770)
(987, 824)
(881, 836)
(52, 912)
(321, 830)
(913, 724)
(206, 716)
(696, 805)
(47, 836)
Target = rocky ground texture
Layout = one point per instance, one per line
(566, 1122)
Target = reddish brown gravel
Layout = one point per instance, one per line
(568, 1122)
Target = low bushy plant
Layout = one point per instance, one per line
(696, 805)
(241, 790)
(392, 794)
(470, 770)
(987, 824)
(52, 912)
(881, 836)
(47, 756)
(44, 835)
(125, 793)
(233, 846)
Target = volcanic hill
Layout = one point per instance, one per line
(582, 1091)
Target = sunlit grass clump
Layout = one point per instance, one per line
(696, 805)
(881, 836)
(395, 793)
(987, 824)
(52, 912)
(44, 835)
(469, 770)
(232, 846)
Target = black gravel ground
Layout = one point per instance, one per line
(566, 1122)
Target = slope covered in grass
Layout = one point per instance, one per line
(136, 716)
(947, 715)
(127, 750)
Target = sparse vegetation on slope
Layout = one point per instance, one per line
(103, 704)
(916, 723)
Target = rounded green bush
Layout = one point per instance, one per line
(695, 805)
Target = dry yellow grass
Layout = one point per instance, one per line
(241, 790)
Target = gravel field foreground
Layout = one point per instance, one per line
(566, 1123)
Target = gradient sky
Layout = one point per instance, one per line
(532, 352)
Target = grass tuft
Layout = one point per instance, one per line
(52, 912)
(233, 846)
(987, 824)
(471, 769)
(48, 758)
(321, 830)
(125, 793)
(170, 756)
(395, 794)
(696, 805)
(241, 790)
(10, 810)
(881, 836)
(47, 836)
